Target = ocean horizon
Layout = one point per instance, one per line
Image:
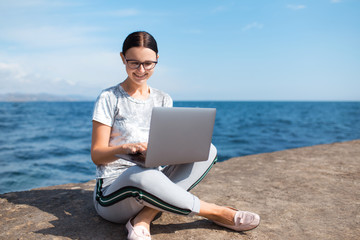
(48, 143)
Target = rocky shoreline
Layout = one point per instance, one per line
(304, 193)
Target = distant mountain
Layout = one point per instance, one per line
(41, 97)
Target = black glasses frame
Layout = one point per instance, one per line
(141, 63)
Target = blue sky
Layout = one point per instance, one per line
(209, 50)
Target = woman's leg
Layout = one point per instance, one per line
(210, 211)
(116, 206)
(138, 187)
(187, 176)
(217, 213)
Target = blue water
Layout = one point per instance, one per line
(48, 143)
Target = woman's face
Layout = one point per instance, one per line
(140, 75)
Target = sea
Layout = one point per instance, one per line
(48, 143)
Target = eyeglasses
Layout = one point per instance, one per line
(134, 64)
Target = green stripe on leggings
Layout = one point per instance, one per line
(202, 177)
(135, 192)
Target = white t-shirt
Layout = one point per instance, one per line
(130, 122)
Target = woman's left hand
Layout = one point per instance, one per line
(134, 148)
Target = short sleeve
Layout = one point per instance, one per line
(168, 102)
(104, 109)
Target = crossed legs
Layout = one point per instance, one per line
(208, 210)
(139, 194)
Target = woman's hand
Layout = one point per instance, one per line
(102, 153)
(134, 148)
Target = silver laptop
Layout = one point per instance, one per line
(177, 135)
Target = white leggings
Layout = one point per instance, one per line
(165, 190)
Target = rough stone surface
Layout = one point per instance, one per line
(304, 193)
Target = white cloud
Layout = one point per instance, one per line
(253, 25)
(14, 78)
(82, 72)
(50, 36)
(10, 72)
(296, 7)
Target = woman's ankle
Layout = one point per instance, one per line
(217, 213)
(144, 217)
(140, 222)
(227, 216)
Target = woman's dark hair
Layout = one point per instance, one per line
(140, 39)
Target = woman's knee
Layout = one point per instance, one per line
(213, 152)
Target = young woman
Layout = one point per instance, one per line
(126, 192)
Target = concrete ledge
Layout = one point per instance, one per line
(304, 193)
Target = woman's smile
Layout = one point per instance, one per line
(140, 76)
